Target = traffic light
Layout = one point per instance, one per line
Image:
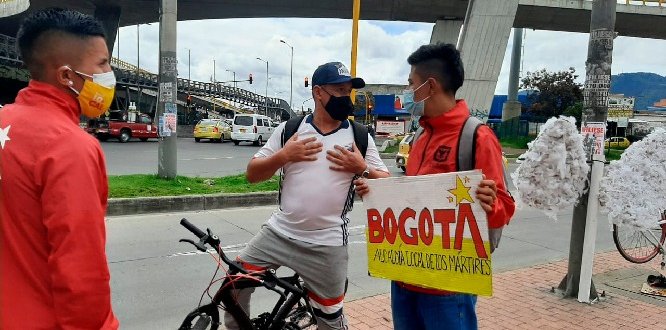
(306, 82)
(250, 79)
(370, 106)
(189, 100)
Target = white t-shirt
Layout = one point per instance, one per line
(315, 200)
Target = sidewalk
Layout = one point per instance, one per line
(523, 300)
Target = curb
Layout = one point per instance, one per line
(143, 205)
(383, 155)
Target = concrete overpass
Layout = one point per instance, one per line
(557, 15)
(488, 28)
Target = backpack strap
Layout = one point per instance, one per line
(467, 144)
(290, 128)
(417, 135)
(360, 136)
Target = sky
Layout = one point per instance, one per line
(383, 48)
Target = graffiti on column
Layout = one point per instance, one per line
(480, 114)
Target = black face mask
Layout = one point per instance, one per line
(339, 107)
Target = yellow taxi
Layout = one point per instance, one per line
(617, 143)
(402, 156)
(216, 130)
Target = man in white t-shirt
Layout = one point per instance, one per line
(308, 232)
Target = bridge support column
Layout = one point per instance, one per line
(485, 41)
(110, 18)
(446, 31)
(512, 107)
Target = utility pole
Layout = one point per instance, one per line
(214, 87)
(578, 281)
(266, 95)
(168, 90)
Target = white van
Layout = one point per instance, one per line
(251, 128)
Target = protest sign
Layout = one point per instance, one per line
(429, 231)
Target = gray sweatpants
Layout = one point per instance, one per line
(322, 268)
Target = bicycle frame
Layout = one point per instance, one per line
(289, 288)
(655, 240)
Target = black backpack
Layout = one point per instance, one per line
(360, 133)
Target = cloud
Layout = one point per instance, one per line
(383, 49)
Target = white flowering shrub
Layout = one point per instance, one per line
(554, 172)
(633, 190)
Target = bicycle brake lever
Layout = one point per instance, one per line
(198, 245)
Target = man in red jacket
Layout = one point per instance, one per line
(436, 74)
(53, 185)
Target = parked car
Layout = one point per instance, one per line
(251, 128)
(216, 130)
(617, 143)
(142, 128)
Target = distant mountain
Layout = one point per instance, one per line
(646, 87)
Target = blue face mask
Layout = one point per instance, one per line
(415, 108)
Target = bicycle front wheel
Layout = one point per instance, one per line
(203, 318)
(638, 244)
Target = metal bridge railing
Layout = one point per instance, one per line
(8, 49)
(129, 75)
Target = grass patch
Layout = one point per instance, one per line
(516, 142)
(613, 154)
(147, 185)
(391, 149)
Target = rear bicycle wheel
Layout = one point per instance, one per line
(206, 317)
(637, 244)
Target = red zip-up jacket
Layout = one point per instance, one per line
(53, 197)
(436, 152)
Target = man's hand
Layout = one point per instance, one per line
(487, 194)
(296, 150)
(346, 161)
(361, 187)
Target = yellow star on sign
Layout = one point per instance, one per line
(461, 192)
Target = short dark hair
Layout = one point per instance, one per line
(440, 61)
(56, 20)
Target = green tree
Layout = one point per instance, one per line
(554, 92)
(575, 111)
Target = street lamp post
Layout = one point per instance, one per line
(266, 95)
(303, 105)
(234, 72)
(291, 76)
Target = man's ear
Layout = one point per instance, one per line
(435, 86)
(65, 76)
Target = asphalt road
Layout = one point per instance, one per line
(205, 159)
(156, 280)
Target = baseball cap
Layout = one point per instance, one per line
(335, 73)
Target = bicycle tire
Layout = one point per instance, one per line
(206, 317)
(633, 244)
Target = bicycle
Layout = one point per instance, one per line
(291, 312)
(640, 245)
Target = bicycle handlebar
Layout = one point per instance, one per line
(271, 279)
(192, 228)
